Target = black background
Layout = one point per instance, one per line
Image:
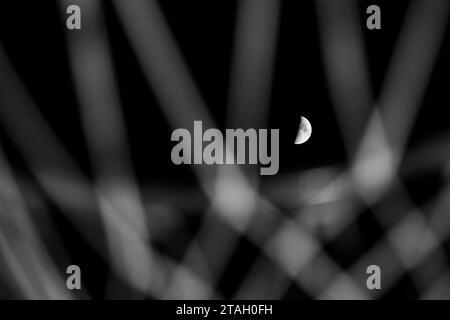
(33, 35)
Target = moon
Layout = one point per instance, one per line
(304, 131)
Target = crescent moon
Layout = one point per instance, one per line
(304, 131)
